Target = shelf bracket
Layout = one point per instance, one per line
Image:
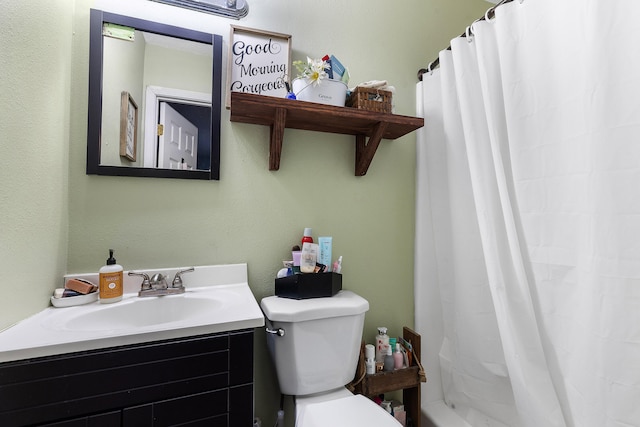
(365, 150)
(277, 135)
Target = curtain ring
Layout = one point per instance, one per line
(488, 12)
(429, 69)
(469, 34)
(471, 29)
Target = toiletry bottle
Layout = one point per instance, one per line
(296, 253)
(382, 343)
(398, 358)
(389, 363)
(324, 254)
(308, 257)
(306, 237)
(370, 359)
(111, 286)
(337, 266)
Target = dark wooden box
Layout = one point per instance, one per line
(309, 285)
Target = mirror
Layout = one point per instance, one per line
(154, 99)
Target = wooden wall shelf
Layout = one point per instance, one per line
(281, 113)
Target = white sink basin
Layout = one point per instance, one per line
(143, 313)
(217, 299)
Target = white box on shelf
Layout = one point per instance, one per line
(331, 92)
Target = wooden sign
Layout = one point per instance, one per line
(259, 62)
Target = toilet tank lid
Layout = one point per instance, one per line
(344, 303)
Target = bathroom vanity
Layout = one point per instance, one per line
(205, 380)
(159, 361)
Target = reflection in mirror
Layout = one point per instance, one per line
(154, 99)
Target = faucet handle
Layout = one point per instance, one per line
(146, 282)
(177, 281)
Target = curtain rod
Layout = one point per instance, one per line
(488, 15)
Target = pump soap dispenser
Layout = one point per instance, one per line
(111, 286)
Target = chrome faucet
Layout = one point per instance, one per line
(157, 285)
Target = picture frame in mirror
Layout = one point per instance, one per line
(128, 127)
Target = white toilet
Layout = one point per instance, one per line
(315, 345)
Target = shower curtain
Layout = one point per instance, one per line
(528, 215)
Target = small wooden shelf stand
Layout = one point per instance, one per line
(408, 380)
(282, 113)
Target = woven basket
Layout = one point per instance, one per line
(370, 99)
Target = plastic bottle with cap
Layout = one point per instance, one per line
(382, 343)
(398, 358)
(370, 359)
(337, 266)
(389, 363)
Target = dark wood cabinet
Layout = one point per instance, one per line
(196, 381)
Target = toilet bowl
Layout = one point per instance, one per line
(315, 344)
(340, 408)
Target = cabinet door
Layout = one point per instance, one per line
(241, 406)
(240, 358)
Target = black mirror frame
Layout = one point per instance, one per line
(94, 123)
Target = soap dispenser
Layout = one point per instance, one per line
(382, 343)
(111, 281)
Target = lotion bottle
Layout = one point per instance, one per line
(308, 257)
(370, 359)
(111, 281)
(398, 358)
(382, 343)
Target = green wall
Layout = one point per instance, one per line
(35, 91)
(56, 219)
(128, 58)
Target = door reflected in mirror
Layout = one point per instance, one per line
(172, 75)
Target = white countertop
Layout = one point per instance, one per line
(221, 294)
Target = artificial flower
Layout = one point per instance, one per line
(314, 70)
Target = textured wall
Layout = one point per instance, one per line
(35, 53)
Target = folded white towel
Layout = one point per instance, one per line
(374, 84)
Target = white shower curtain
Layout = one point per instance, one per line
(528, 215)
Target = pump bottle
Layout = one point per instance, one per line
(382, 343)
(111, 281)
(389, 363)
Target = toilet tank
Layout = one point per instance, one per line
(321, 343)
